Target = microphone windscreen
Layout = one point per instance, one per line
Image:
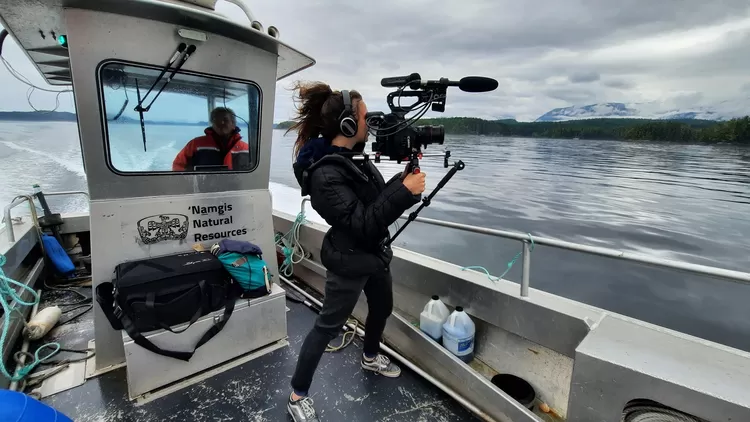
(477, 84)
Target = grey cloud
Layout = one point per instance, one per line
(571, 95)
(536, 49)
(619, 83)
(583, 77)
(390, 66)
(498, 27)
(687, 99)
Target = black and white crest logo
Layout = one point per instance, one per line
(158, 228)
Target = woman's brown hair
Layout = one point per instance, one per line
(318, 111)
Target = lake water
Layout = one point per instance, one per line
(682, 202)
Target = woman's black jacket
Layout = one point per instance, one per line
(352, 196)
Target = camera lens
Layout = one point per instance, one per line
(429, 134)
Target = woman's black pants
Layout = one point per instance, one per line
(341, 295)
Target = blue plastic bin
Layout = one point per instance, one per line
(19, 407)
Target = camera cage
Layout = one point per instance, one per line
(402, 143)
(428, 97)
(387, 142)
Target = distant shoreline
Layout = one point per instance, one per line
(688, 131)
(735, 131)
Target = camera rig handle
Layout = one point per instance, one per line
(413, 165)
(457, 166)
(436, 97)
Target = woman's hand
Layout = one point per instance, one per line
(415, 183)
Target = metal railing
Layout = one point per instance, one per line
(735, 276)
(68, 192)
(20, 199)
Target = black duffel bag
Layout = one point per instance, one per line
(159, 293)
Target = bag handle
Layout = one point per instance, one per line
(142, 341)
(150, 305)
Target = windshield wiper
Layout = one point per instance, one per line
(140, 114)
(177, 56)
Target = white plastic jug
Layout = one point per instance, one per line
(458, 334)
(433, 317)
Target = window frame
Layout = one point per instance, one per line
(105, 124)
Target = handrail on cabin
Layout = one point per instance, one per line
(20, 199)
(69, 192)
(735, 276)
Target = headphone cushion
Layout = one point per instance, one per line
(348, 127)
(347, 124)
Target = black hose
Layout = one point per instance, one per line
(3, 34)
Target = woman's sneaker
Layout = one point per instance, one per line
(302, 410)
(381, 365)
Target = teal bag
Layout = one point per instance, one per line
(250, 271)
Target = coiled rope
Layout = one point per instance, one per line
(348, 337)
(510, 264)
(294, 254)
(290, 245)
(8, 295)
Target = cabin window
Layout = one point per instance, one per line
(197, 123)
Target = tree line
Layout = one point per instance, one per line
(708, 131)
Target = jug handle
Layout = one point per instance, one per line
(429, 307)
(453, 319)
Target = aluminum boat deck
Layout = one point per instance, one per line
(258, 390)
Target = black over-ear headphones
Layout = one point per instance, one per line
(347, 123)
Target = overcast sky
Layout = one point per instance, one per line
(544, 53)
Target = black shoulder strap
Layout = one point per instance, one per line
(106, 299)
(142, 341)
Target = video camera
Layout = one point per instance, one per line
(396, 137)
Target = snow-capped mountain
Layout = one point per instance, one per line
(724, 110)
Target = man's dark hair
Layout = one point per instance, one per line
(218, 111)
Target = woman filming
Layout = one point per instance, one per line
(352, 197)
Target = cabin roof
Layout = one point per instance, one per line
(28, 20)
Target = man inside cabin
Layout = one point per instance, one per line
(221, 148)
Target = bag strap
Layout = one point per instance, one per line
(142, 341)
(265, 278)
(150, 305)
(106, 300)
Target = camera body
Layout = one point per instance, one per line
(400, 145)
(396, 137)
